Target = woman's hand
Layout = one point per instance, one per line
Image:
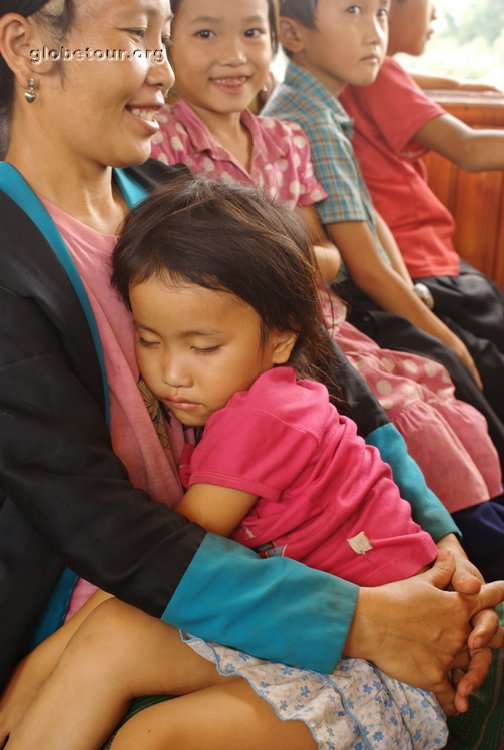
(416, 632)
(486, 632)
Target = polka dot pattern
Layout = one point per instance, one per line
(447, 438)
(280, 164)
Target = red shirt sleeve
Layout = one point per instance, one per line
(394, 105)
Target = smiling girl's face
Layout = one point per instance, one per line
(221, 53)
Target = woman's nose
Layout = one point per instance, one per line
(160, 72)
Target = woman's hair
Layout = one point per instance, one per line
(231, 238)
(272, 15)
(56, 17)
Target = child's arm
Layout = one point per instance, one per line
(33, 670)
(391, 248)
(217, 509)
(430, 81)
(326, 253)
(473, 150)
(389, 290)
(328, 262)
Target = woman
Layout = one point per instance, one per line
(74, 123)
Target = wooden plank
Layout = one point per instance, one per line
(498, 270)
(477, 205)
(442, 179)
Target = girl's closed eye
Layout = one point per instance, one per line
(147, 343)
(205, 349)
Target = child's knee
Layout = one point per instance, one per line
(103, 638)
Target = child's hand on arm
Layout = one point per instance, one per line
(451, 340)
(326, 253)
(328, 262)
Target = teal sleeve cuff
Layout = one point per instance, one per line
(274, 608)
(427, 510)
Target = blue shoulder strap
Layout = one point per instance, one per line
(16, 187)
(133, 192)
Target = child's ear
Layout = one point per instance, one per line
(283, 346)
(290, 35)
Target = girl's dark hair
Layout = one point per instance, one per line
(231, 238)
(272, 16)
(57, 24)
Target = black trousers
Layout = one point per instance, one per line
(482, 528)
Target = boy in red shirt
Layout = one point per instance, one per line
(395, 124)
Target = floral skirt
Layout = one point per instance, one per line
(357, 707)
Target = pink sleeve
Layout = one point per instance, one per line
(251, 450)
(395, 104)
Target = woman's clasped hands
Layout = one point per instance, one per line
(418, 631)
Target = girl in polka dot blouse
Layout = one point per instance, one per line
(221, 64)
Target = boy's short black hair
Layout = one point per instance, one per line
(304, 11)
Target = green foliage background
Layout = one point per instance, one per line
(468, 43)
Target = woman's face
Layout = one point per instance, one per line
(100, 103)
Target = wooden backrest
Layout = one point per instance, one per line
(476, 200)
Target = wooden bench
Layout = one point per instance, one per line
(476, 200)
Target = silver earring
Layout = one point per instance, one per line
(29, 94)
